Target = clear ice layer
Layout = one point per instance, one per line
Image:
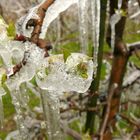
(51, 14)
(73, 75)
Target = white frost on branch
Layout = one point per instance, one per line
(132, 78)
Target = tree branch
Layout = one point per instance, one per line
(105, 121)
(38, 23)
(133, 46)
(121, 55)
(43, 44)
(92, 102)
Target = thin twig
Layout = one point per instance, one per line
(72, 133)
(105, 121)
(137, 124)
(77, 108)
(38, 23)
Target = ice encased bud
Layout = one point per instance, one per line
(62, 77)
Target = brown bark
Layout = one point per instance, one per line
(138, 2)
(121, 55)
(38, 23)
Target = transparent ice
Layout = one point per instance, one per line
(51, 14)
(53, 75)
(83, 24)
(64, 77)
(59, 77)
(95, 12)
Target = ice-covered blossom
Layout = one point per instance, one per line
(73, 75)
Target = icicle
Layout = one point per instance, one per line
(2, 92)
(23, 130)
(58, 24)
(50, 102)
(24, 98)
(113, 21)
(13, 85)
(95, 9)
(3, 31)
(119, 4)
(53, 11)
(83, 24)
(59, 77)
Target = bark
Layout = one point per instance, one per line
(121, 55)
(38, 23)
(92, 102)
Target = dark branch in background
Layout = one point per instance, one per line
(104, 124)
(121, 55)
(138, 2)
(84, 109)
(129, 120)
(92, 102)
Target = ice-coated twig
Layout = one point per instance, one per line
(135, 75)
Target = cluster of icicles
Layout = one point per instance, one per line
(53, 75)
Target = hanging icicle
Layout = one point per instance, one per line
(95, 12)
(51, 109)
(2, 92)
(15, 94)
(115, 18)
(83, 24)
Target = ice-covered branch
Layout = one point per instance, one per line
(134, 46)
(38, 19)
(39, 22)
(132, 78)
